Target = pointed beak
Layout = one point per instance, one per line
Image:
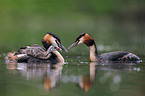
(73, 45)
(63, 48)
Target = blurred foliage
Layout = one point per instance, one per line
(24, 22)
(115, 24)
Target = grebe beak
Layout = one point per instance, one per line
(64, 48)
(73, 45)
(61, 46)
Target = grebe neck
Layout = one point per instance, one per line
(59, 56)
(94, 53)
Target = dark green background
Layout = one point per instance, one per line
(118, 24)
(114, 24)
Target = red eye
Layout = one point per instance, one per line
(56, 47)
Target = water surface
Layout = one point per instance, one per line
(77, 77)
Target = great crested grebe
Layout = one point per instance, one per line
(111, 56)
(41, 56)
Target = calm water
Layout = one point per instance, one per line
(115, 25)
(77, 77)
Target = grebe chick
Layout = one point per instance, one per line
(38, 51)
(111, 56)
(39, 54)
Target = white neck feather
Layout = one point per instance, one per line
(93, 55)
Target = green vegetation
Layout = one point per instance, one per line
(25, 22)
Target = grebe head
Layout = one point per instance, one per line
(83, 38)
(52, 39)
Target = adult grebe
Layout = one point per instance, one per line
(111, 56)
(48, 40)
